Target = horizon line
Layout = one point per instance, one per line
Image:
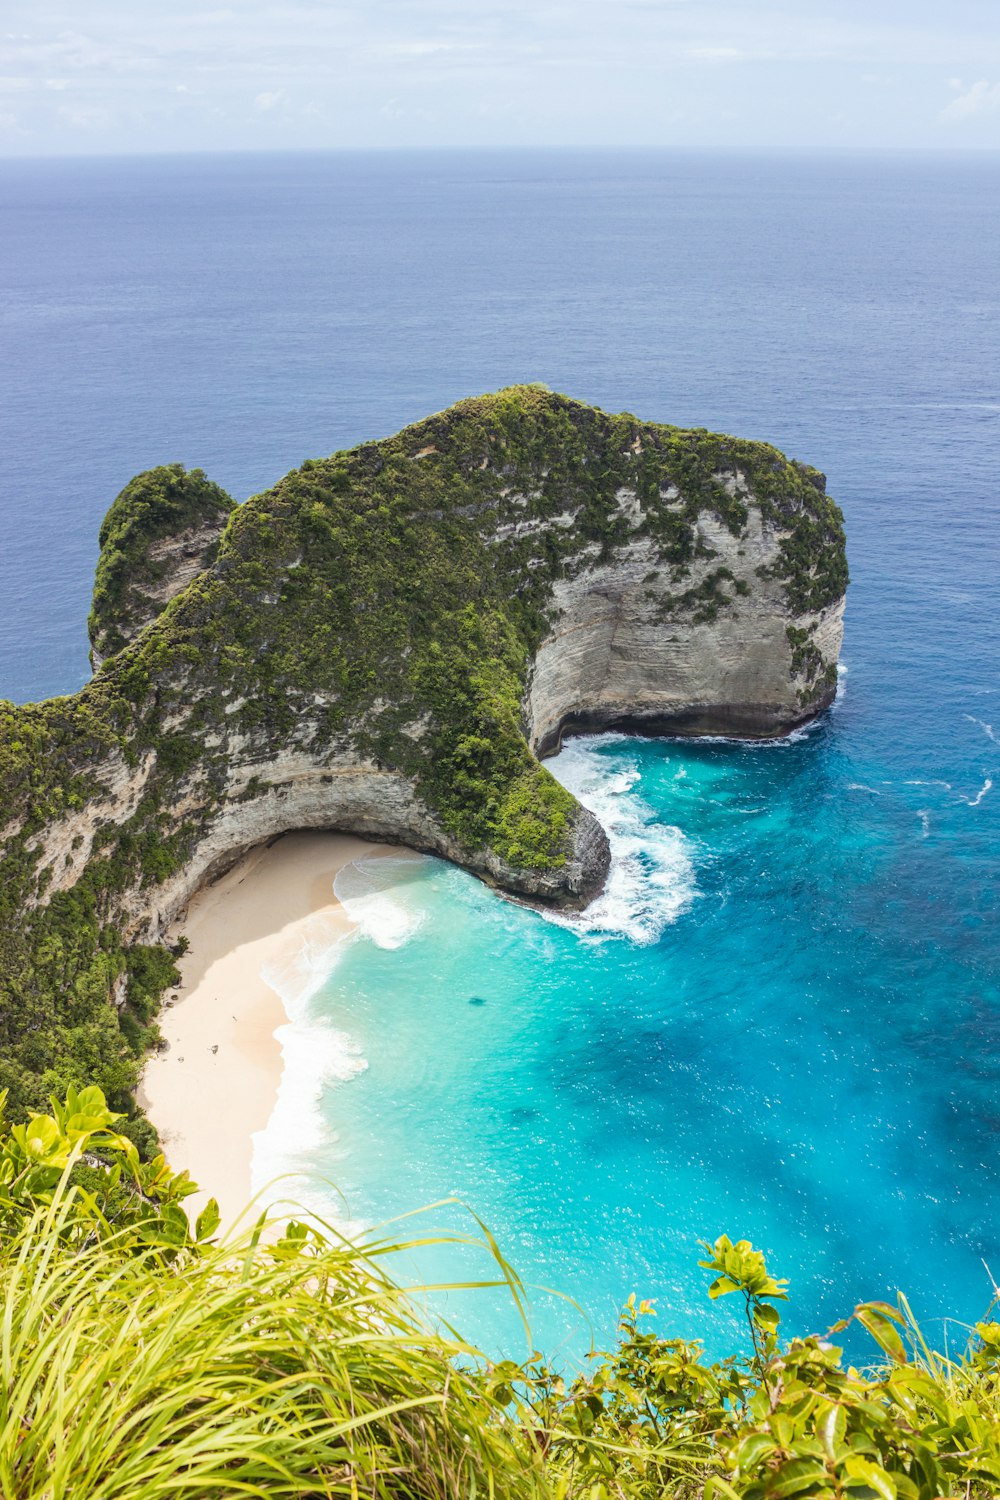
(488, 150)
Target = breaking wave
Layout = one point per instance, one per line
(367, 890)
(652, 879)
(314, 1053)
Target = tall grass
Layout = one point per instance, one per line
(251, 1369)
(141, 1360)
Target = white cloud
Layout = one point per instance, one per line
(547, 71)
(716, 54)
(70, 49)
(427, 49)
(981, 98)
(86, 118)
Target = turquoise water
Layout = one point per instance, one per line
(785, 1020)
(777, 1024)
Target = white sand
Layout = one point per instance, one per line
(216, 1082)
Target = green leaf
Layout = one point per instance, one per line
(715, 1486)
(721, 1286)
(830, 1430)
(753, 1449)
(794, 1477)
(874, 1317)
(44, 1141)
(990, 1334)
(864, 1475)
(208, 1221)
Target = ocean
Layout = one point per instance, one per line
(782, 1021)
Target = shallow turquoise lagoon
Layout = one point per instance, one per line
(778, 1022)
(784, 1021)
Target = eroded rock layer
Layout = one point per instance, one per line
(386, 643)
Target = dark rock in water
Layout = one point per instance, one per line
(523, 1115)
(477, 1000)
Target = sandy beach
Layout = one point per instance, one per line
(215, 1083)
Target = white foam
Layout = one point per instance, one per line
(778, 741)
(986, 787)
(652, 880)
(316, 1055)
(298, 973)
(313, 1056)
(986, 728)
(925, 823)
(363, 890)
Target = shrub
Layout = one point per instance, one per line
(142, 1358)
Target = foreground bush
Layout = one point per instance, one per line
(141, 1358)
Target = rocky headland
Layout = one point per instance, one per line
(388, 643)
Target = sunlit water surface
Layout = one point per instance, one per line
(783, 1019)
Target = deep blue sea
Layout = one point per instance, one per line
(783, 1022)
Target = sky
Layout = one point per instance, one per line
(110, 76)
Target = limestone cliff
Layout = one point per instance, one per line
(385, 643)
(160, 533)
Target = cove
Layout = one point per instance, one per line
(844, 307)
(776, 1024)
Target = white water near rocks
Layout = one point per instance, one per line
(651, 880)
(650, 884)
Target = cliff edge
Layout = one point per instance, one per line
(386, 643)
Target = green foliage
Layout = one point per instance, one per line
(162, 503)
(385, 603)
(143, 1358)
(653, 1418)
(807, 659)
(78, 1161)
(812, 566)
(704, 600)
(480, 773)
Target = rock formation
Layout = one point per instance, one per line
(386, 643)
(161, 532)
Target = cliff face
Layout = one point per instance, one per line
(629, 649)
(384, 644)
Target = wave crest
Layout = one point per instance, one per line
(652, 880)
(364, 888)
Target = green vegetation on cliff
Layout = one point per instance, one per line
(141, 1358)
(163, 506)
(382, 605)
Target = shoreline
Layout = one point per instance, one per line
(213, 1086)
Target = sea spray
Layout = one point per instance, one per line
(651, 881)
